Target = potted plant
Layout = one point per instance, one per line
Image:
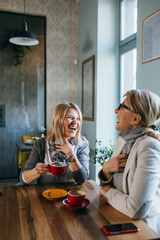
(20, 53)
(102, 154)
(42, 131)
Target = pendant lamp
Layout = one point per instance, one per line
(24, 38)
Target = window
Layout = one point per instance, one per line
(128, 71)
(128, 9)
(128, 28)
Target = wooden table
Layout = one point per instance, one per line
(26, 215)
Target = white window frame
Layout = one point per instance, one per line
(125, 45)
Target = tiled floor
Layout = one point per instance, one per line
(8, 182)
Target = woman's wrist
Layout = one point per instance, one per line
(106, 173)
(104, 180)
(31, 175)
(103, 176)
(72, 158)
(37, 172)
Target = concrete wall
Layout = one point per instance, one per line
(61, 79)
(62, 23)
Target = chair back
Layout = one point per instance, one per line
(24, 138)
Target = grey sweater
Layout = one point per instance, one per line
(38, 155)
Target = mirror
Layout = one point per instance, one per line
(88, 88)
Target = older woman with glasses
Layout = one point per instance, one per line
(130, 180)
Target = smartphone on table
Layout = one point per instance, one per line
(111, 229)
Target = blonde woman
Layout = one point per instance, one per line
(130, 180)
(64, 143)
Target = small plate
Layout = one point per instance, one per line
(29, 142)
(52, 194)
(67, 204)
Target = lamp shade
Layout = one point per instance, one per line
(24, 38)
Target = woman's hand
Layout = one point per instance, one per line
(103, 190)
(41, 168)
(114, 165)
(66, 148)
(31, 175)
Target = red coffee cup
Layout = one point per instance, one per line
(76, 197)
(57, 169)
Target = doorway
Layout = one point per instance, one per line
(22, 87)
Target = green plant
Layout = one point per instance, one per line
(35, 138)
(102, 153)
(20, 53)
(42, 130)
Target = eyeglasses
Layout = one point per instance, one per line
(123, 106)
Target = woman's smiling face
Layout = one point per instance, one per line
(72, 123)
(125, 118)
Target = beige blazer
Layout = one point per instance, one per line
(140, 198)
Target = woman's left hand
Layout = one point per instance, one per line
(103, 190)
(67, 148)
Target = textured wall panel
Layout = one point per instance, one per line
(61, 82)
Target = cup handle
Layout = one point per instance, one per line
(49, 169)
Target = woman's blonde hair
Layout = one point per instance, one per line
(57, 133)
(147, 105)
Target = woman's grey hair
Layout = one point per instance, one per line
(147, 105)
